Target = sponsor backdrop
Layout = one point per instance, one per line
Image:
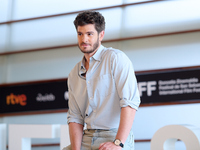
(33, 97)
(155, 87)
(169, 86)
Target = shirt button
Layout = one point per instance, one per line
(94, 111)
(90, 97)
(88, 82)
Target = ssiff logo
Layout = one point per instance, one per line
(16, 99)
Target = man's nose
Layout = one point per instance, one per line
(85, 38)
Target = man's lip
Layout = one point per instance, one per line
(84, 44)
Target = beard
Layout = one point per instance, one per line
(93, 48)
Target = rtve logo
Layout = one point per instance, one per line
(16, 99)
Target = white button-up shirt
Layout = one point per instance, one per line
(110, 84)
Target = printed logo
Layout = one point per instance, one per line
(66, 95)
(147, 87)
(16, 99)
(44, 98)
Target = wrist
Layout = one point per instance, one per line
(118, 142)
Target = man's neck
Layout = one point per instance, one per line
(88, 55)
(87, 58)
(87, 62)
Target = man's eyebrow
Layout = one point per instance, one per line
(90, 32)
(86, 32)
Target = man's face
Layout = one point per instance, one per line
(88, 38)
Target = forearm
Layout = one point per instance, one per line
(76, 134)
(126, 121)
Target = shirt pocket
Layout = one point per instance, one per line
(104, 85)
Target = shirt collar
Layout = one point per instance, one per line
(97, 55)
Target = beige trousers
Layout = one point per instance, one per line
(93, 138)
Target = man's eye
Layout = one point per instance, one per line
(90, 34)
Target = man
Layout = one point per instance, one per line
(103, 94)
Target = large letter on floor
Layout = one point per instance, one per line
(3, 137)
(166, 137)
(20, 135)
(64, 136)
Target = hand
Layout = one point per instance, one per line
(109, 146)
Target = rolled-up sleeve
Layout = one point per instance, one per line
(125, 80)
(74, 113)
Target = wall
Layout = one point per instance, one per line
(154, 52)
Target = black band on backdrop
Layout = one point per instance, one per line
(169, 86)
(34, 97)
(155, 87)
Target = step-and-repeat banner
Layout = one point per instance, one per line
(34, 97)
(155, 87)
(169, 86)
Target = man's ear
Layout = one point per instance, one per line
(101, 35)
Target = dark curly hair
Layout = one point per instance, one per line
(90, 17)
